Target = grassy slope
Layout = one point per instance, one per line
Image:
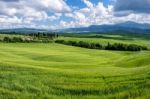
(60, 71)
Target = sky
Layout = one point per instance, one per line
(59, 14)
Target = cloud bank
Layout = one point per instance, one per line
(52, 14)
(135, 6)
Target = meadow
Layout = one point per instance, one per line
(57, 71)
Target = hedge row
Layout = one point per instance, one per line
(22, 40)
(14, 39)
(115, 46)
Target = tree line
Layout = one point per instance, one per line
(32, 37)
(43, 35)
(8, 39)
(115, 46)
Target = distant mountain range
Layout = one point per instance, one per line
(24, 30)
(126, 26)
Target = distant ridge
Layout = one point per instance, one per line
(126, 26)
(24, 30)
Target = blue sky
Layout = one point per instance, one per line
(55, 14)
(80, 4)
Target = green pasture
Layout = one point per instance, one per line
(55, 71)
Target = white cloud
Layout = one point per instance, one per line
(5, 19)
(100, 14)
(92, 14)
(54, 5)
(44, 13)
(85, 10)
(31, 11)
(88, 3)
(135, 6)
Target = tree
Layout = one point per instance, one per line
(7, 39)
(17, 39)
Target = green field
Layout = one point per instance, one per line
(56, 71)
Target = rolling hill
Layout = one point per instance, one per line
(56, 71)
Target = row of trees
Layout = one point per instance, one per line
(44, 35)
(125, 47)
(23, 40)
(81, 44)
(16, 39)
(115, 46)
(33, 37)
(49, 35)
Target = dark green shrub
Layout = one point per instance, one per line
(125, 47)
(115, 46)
(7, 39)
(17, 39)
(60, 41)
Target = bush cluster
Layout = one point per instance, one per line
(44, 35)
(115, 46)
(81, 44)
(8, 39)
(16, 39)
(125, 47)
